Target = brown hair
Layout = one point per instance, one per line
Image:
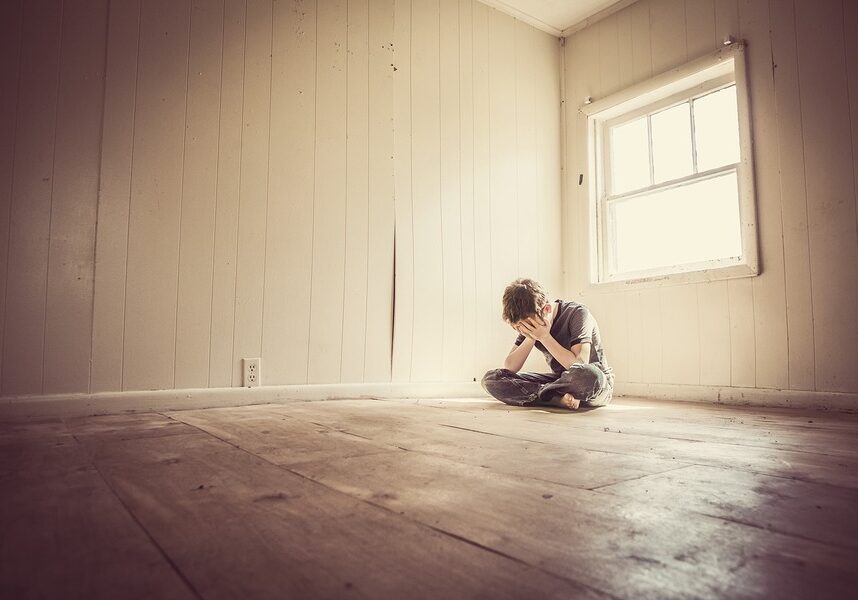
(522, 298)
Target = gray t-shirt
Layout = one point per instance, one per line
(574, 325)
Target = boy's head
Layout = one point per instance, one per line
(523, 298)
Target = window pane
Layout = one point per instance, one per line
(716, 129)
(629, 157)
(671, 143)
(696, 222)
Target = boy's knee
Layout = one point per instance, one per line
(496, 375)
(492, 378)
(585, 381)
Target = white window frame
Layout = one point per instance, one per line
(691, 80)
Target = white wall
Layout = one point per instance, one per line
(186, 184)
(796, 325)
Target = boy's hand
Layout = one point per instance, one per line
(519, 329)
(534, 328)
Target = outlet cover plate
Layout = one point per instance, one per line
(251, 375)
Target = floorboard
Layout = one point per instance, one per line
(64, 532)
(447, 498)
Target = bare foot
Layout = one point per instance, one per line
(567, 401)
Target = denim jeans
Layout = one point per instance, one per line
(588, 383)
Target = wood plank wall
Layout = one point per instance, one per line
(796, 325)
(186, 183)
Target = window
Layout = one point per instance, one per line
(671, 176)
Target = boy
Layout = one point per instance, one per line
(568, 335)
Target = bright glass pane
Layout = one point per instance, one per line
(671, 143)
(629, 157)
(696, 222)
(716, 129)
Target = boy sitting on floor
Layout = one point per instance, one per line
(568, 335)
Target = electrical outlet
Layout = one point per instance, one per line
(251, 375)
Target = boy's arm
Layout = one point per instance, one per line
(579, 353)
(515, 359)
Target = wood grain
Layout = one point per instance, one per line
(65, 531)
(290, 531)
(375, 498)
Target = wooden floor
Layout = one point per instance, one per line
(431, 499)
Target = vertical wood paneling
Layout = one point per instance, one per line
(425, 189)
(221, 366)
(572, 94)
(10, 56)
(609, 57)
(242, 210)
(829, 174)
(668, 43)
(530, 207)
(111, 250)
(488, 311)
(586, 83)
(680, 335)
(354, 300)
(504, 209)
(726, 19)
(614, 327)
(153, 244)
(715, 346)
(403, 325)
(253, 199)
(793, 198)
(547, 60)
(68, 320)
(651, 359)
(850, 35)
(742, 342)
(637, 343)
(450, 173)
(329, 217)
(466, 188)
(625, 47)
(641, 40)
(700, 36)
(379, 310)
(770, 321)
(289, 230)
(199, 192)
(32, 185)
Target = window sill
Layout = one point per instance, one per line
(672, 279)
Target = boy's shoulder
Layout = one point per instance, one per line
(569, 305)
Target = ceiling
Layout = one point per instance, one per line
(558, 17)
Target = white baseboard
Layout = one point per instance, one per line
(65, 405)
(839, 401)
